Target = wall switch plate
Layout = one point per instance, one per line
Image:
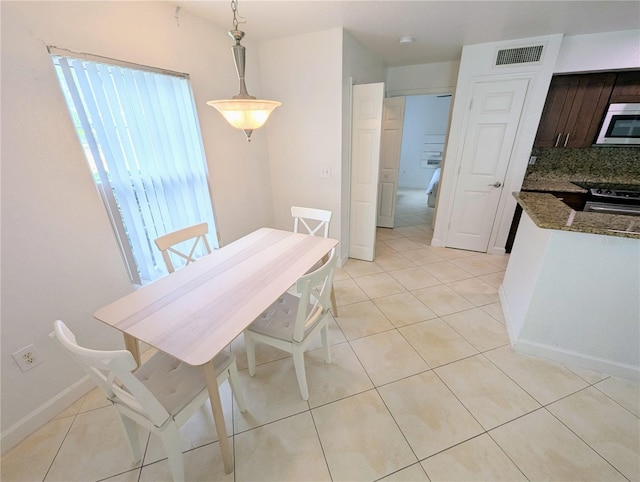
(27, 357)
(325, 172)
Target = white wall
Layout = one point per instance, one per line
(60, 258)
(436, 78)
(604, 51)
(304, 137)
(573, 297)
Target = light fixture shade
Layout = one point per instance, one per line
(245, 114)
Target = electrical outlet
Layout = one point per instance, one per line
(27, 357)
(532, 160)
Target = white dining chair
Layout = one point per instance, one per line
(160, 396)
(183, 243)
(292, 321)
(315, 222)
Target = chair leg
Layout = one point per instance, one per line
(171, 441)
(334, 305)
(131, 428)
(298, 364)
(235, 386)
(251, 353)
(324, 333)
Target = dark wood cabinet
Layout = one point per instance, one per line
(574, 109)
(627, 88)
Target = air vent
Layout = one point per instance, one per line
(520, 55)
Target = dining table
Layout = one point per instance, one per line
(197, 311)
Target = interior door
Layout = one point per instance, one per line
(492, 124)
(390, 146)
(366, 127)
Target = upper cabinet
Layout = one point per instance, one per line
(574, 108)
(626, 89)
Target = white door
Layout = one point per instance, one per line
(492, 124)
(366, 125)
(390, 145)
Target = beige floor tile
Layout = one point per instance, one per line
(446, 271)
(608, 428)
(414, 278)
(203, 463)
(479, 459)
(392, 260)
(264, 353)
(360, 439)
(198, 430)
(476, 265)
(442, 300)
(348, 292)
(286, 450)
(357, 267)
(429, 415)
(544, 380)
(491, 396)
(495, 311)
(379, 284)
(404, 309)
(384, 234)
(382, 248)
(413, 473)
(422, 256)
(476, 291)
(410, 231)
(270, 395)
(588, 375)
(501, 261)
(437, 342)
(450, 253)
(362, 319)
(30, 459)
(99, 436)
(96, 398)
(341, 378)
(493, 279)
(340, 274)
(72, 409)
(544, 449)
(478, 328)
(424, 240)
(388, 357)
(625, 392)
(402, 244)
(130, 476)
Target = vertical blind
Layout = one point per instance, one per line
(142, 139)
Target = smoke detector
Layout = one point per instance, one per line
(406, 39)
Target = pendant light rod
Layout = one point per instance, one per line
(243, 111)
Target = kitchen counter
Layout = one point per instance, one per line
(549, 212)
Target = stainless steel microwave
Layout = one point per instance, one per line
(621, 125)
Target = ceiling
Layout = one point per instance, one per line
(440, 28)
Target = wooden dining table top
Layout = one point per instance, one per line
(198, 310)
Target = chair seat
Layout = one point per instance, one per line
(175, 383)
(279, 320)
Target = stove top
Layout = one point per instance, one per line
(613, 192)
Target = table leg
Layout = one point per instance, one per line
(131, 343)
(218, 415)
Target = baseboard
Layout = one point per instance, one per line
(506, 312)
(570, 358)
(44, 413)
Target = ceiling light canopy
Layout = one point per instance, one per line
(243, 111)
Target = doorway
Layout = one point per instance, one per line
(426, 120)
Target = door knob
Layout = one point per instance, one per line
(496, 184)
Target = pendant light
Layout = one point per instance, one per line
(243, 111)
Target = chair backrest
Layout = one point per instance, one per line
(312, 220)
(314, 290)
(112, 372)
(167, 244)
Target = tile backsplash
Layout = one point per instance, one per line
(599, 164)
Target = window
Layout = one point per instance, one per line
(141, 137)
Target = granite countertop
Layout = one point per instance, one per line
(549, 212)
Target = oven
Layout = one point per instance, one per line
(613, 199)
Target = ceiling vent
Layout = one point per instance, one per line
(519, 56)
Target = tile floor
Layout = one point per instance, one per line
(423, 386)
